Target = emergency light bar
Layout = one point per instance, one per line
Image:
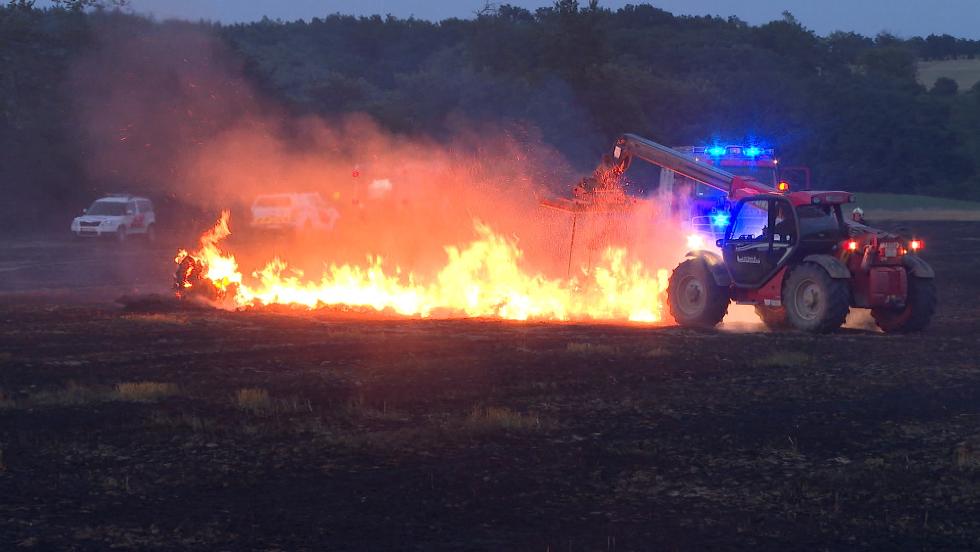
(750, 152)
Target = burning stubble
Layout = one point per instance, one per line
(426, 227)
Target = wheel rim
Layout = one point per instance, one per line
(692, 297)
(808, 300)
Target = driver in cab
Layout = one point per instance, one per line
(783, 227)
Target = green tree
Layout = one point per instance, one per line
(945, 86)
(889, 62)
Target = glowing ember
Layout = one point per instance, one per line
(482, 279)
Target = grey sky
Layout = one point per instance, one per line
(902, 17)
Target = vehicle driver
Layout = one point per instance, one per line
(783, 227)
(857, 215)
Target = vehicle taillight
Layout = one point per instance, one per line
(916, 245)
(852, 245)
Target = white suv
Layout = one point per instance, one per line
(306, 211)
(119, 216)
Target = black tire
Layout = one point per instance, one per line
(773, 317)
(151, 233)
(814, 301)
(693, 297)
(918, 311)
(121, 234)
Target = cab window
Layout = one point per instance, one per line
(783, 223)
(707, 192)
(819, 222)
(751, 221)
(273, 201)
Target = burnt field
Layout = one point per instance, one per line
(204, 430)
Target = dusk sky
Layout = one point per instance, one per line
(902, 17)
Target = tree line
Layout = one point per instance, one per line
(847, 106)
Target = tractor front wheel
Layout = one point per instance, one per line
(814, 301)
(693, 297)
(919, 307)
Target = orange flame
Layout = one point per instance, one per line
(485, 278)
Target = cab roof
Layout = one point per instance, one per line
(119, 198)
(810, 197)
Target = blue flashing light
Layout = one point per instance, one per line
(719, 219)
(752, 151)
(716, 151)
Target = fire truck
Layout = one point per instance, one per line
(708, 208)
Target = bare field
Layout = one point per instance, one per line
(213, 430)
(901, 207)
(921, 215)
(966, 72)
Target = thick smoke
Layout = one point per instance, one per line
(167, 110)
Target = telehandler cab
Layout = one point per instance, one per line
(803, 265)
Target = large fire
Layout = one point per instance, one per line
(483, 278)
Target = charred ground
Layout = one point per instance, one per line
(284, 430)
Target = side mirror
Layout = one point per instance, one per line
(85, 210)
(720, 243)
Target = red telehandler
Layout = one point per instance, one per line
(791, 254)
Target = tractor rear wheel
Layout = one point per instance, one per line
(773, 317)
(814, 301)
(693, 297)
(919, 307)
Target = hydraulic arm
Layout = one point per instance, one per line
(629, 146)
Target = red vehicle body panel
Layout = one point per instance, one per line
(769, 294)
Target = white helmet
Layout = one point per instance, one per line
(858, 211)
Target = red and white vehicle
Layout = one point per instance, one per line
(293, 211)
(119, 216)
(709, 207)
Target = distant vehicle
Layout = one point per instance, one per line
(298, 212)
(119, 216)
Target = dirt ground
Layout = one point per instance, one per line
(291, 431)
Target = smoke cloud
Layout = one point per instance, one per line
(166, 109)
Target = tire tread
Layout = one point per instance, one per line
(837, 292)
(922, 300)
(717, 300)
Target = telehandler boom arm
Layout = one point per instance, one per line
(629, 146)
